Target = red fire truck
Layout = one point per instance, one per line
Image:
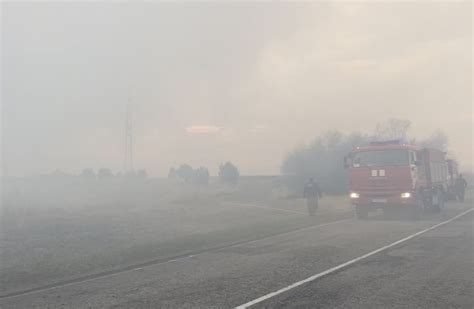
(392, 175)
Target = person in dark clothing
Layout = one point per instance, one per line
(460, 187)
(312, 194)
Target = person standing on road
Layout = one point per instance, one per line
(460, 187)
(312, 194)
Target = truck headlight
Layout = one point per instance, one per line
(354, 195)
(405, 195)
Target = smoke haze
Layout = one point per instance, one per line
(213, 82)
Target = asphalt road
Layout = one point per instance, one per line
(431, 270)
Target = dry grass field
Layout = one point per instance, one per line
(59, 230)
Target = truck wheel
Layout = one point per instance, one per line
(362, 213)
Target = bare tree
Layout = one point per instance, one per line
(392, 129)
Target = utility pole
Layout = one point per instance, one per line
(128, 156)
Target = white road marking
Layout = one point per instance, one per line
(338, 267)
(266, 207)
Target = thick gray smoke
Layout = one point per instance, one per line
(212, 82)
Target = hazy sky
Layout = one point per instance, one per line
(211, 82)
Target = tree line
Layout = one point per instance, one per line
(102, 173)
(228, 174)
(323, 157)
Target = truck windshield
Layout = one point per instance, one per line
(380, 158)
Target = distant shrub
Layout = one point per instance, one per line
(88, 173)
(172, 174)
(228, 173)
(131, 174)
(142, 174)
(201, 176)
(104, 173)
(185, 172)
